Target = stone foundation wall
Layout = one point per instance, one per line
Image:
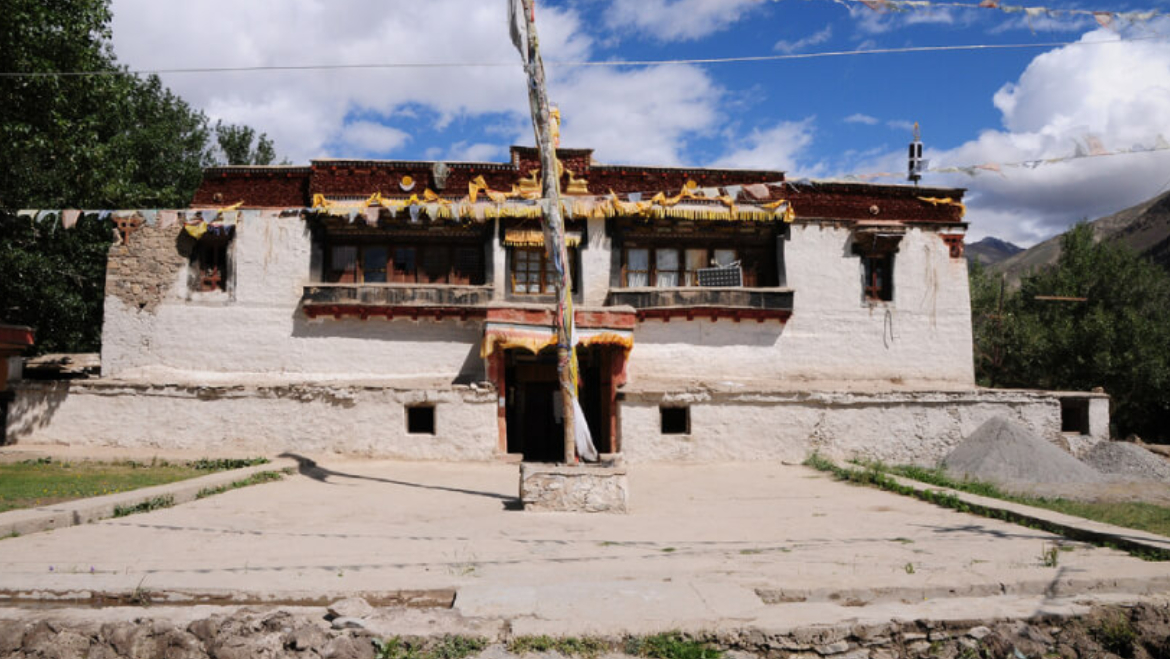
(904, 427)
(364, 420)
(370, 419)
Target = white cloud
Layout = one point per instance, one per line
(1118, 94)
(477, 152)
(804, 42)
(1044, 23)
(859, 118)
(870, 21)
(645, 115)
(676, 20)
(301, 110)
(368, 138)
(778, 147)
(900, 124)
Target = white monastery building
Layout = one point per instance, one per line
(405, 309)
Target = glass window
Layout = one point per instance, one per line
(468, 262)
(637, 267)
(374, 264)
(696, 260)
(343, 264)
(666, 266)
(724, 257)
(405, 264)
(527, 266)
(532, 272)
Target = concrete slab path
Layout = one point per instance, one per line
(703, 546)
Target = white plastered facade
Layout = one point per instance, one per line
(246, 368)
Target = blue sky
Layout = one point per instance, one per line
(819, 118)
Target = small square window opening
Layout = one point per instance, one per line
(878, 282)
(420, 419)
(1074, 415)
(675, 420)
(210, 261)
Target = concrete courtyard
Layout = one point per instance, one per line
(709, 545)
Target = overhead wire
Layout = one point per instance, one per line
(573, 64)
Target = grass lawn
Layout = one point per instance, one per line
(1133, 515)
(43, 482)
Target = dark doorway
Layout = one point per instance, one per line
(5, 398)
(532, 400)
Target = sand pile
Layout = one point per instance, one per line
(1128, 460)
(1002, 451)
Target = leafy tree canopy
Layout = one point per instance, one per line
(235, 145)
(97, 141)
(1118, 338)
(86, 141)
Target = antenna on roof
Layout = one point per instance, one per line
(917, 164)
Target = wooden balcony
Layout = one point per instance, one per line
(736, 303)
(396, 300)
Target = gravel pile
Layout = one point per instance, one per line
(1005, 452)
(1129, 460)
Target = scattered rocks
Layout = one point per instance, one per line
(1128, 460)
(978, 632)
(1135, 631)
(348, 623)
(353, 607)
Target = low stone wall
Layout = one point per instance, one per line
(364, 420)
(894, 427)
(1138, 631)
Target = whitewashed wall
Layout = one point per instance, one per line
(895, 427)
(351, 419)
(245, 368)
(258, 331)
(905, 427)
(921, 339)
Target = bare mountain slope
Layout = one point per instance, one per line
(1144, 227)
(991, 250)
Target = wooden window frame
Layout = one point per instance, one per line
(681, 271)
(546, 272)
(419, 273)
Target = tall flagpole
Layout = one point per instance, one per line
(555, 234)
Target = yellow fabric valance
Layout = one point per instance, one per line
(534, 341)
(535, 238)
(518, 205)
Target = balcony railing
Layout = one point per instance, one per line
(706, 302)
(390, 300)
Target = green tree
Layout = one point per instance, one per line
(1118, 338)
(52, 277)
(235, 145)
(83, 141)
(92, 141)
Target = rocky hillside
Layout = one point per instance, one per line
(990, 251)
(1144, 227)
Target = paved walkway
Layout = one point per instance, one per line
(703, 546)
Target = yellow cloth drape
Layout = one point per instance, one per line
(946, 201)
(511, 205)
(534, 341)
